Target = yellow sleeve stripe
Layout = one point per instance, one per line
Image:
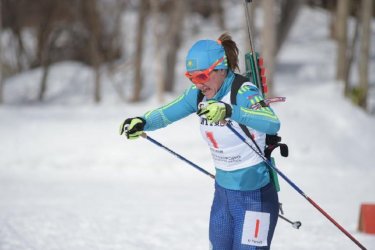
(260, 112)
(164, 107)
(243, 89)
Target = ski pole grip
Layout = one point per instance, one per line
(144, 135)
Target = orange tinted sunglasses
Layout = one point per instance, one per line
(202, 76)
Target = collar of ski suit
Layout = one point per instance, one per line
(225, 87)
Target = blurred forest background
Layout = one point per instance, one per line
(39, 33)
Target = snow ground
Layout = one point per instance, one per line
(68, 181)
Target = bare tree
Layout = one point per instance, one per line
(12, 18)
(86, 38)
(207, 9)
(168, 22)
(142, 14)
(116, 37)
(1, 58)
(45, 43)
(342, 38)
(91, 17)
(366, 14)
(47, 55)
(289, 11)
(219, 13)
(350, 56)
(159, 52)
(173, 37)
(332, 7)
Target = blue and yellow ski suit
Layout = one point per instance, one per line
(245, 208)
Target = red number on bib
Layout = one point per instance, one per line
(210, 136)
(256, 228)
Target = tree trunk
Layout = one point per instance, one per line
(46, 57)
(289, 12)
(159, 51)
(342, 38)
(117, 36)
(268, 41)
(1, 58)
(333, 9)
(219, 13)
(47, 35)
(351, 54)
(43, 54)
(366, 14)
(21, 49)
(139, 51)
(46, 66)
(43, 48)
(93, 24)
(173, 41)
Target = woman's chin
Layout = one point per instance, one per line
(209, 94)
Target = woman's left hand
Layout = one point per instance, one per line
(214, 111)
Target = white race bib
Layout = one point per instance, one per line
(255, 228)
(228, 152)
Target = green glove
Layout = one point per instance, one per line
(132, 127)
(214, 111)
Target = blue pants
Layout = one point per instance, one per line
(243, 220)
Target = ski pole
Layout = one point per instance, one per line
(298, 189)
(144, 135)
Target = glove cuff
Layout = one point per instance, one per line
(143, 121)
(228, 110)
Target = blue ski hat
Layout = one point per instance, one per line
(203, 54)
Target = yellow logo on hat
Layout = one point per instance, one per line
(191, 64)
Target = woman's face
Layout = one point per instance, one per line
(212, 86)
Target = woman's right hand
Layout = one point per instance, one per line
(132, 127)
